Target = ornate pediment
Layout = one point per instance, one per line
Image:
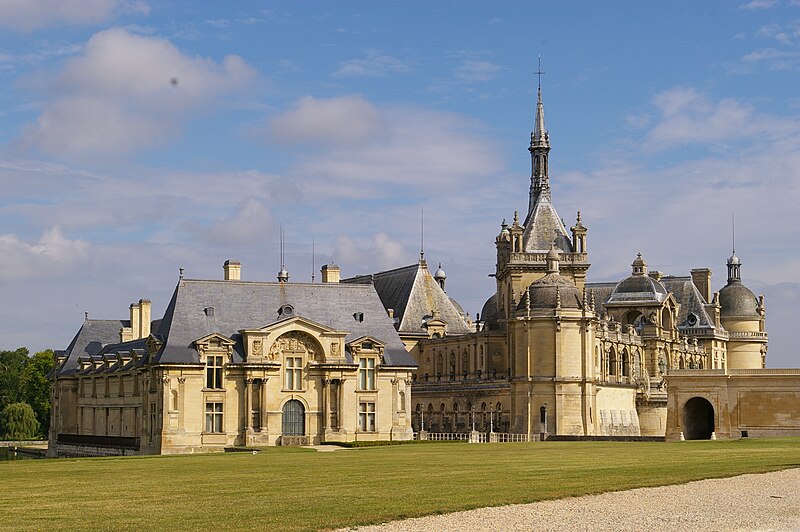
(294, 335)
(214, 342)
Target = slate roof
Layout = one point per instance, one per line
(690, 300)
(241, 305)
(90, 340)
(543, 227)
(251, 305)
(738, 300)
(637, 288)
(413, 293)
(545, 292)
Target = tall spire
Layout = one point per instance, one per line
(539, 148)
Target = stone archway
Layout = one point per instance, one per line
(698, 419)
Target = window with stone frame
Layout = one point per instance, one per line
(366, 374)
(214, 417)
(214, 372)
(366, 417)
(153, 418)
(293, 373)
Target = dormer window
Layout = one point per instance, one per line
(285, 311)
(691, 319)
(367, 345)
(358, 316)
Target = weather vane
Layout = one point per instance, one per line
(539, 72)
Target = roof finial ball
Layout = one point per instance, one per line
(552, 259)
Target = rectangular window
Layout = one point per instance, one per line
(214, 417)
(366, 417)
(152, 420)
(214, 372)
(294, 373)
(366, 374)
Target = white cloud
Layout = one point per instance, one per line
(477, 71)
(774, 59)
(364, 150)
(343, 120)
(759, 4)
(28, 15)
(373, 64)
(687, 116)
(127, 92)
(51, 254)
(380, 252)
(249, 222)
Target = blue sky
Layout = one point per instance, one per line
(139, 137)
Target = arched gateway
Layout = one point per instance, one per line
(698, 419)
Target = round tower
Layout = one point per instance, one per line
(742, 314)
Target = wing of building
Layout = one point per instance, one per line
(554, 355)
(235, 363)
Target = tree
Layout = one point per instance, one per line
(12, 364)
(36, 386)
(18, 422)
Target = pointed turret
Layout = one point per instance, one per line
(539, 148)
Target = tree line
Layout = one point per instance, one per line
(25, 394)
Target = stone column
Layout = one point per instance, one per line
(263, 409)
(248, 413)
(340, 408)
(325, 403)
(181, 403)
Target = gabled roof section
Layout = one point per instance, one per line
(543, 227)
(690, 300)
(199, 308)
(90, 340)
(413, 294)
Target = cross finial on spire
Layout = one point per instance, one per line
(539, 72)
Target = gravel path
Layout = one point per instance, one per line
(770, 501)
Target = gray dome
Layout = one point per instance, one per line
(489, 314)
(733, 259)
(638, 288)
(457, 305)
(544, 292)
(737, 300)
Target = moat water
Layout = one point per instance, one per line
(7, 454)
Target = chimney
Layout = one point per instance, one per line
(655, 274)
(701, 277)
(233, 270)
(145, 307)
(135, 318)
(331, 273)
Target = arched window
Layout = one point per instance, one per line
(626, 370)
(612, 361)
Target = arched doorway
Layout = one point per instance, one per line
(698, 419)
(293, 422)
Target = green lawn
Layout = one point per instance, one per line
(300, 489)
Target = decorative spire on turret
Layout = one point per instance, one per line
(734, 264)
(539, 148)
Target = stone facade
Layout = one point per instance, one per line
(204, 378)
(732, 404)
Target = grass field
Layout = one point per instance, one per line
(301, 489)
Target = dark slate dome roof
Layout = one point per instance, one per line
(737, 300)
(543, 292)
(638, 288)
(489, 314)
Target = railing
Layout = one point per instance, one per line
(506, 437)
(477, 437)
(448, 436)
(747, 335)
(121, 442)
(295, 441)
